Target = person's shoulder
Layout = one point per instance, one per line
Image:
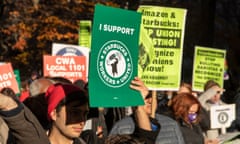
(126, 120)
(123, 126)
(161, 117)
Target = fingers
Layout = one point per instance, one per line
(137, 84)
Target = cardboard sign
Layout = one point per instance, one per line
(7, 77)
(85, 33)
(222, 116)
(70, 67)
(114, 56)
(164, 28)
(71, 50)
(208, 65)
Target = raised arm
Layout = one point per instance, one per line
(25, 127)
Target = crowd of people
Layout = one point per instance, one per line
(54, 110)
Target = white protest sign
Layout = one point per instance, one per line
(222, 116)
(71, 50)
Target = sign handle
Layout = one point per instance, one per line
(154, 103)
(223, 130)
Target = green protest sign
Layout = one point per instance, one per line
(208, 65)
(114, 57)
(17, 76)
(161, 69)
(85, 33)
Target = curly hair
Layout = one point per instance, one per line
(181, 104)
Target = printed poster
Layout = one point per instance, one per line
(160, 56)
(222, 116)
(85, 33)
(71, 50)
(7, 77)
(70, 67)
(18, 79)
(208, 65)
(114, 57)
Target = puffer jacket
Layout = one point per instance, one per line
(169, 134)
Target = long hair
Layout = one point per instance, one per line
(181, 104)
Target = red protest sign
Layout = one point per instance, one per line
(70, 67)
(7, 78)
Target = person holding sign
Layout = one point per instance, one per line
(170, 131)
(67, 110)
(212, 95)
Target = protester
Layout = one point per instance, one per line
(67, 112)
(67, 109)
(211, 95)
(39, 86)
(95, 129)
(205, 119)
(4, 130)
(36, 102)
(34, 75)
(6, 136)
(186, 111)
(169, 133)
(164, 98)
(25, 127)
(24, 91)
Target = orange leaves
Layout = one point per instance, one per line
(23, 57)
(14, 14)
(20, 44)
(56, 21)
(57, 29)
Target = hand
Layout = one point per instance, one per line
(218, 89)
(137, 84)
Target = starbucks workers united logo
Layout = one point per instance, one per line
(114, 64)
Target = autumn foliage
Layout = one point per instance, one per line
(29, 27)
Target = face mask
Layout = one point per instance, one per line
(192, 117)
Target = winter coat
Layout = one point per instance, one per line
(192, 134)
(26, 128)
(3, 132)
(169, 134)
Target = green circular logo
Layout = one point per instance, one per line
(114, 64)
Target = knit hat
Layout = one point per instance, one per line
(58, 92)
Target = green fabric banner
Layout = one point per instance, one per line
(114, 57)
(160, 56)
(208, 65)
